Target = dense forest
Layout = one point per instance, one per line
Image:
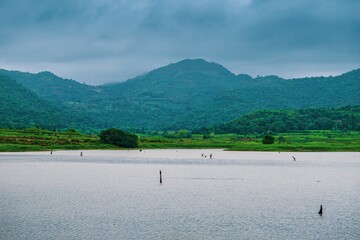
(186, 95)
(260, 122)
(20, 107)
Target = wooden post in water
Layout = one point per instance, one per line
(160, 177)
(320, 212)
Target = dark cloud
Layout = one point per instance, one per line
(98, 41)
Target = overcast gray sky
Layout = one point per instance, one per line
(98, 41)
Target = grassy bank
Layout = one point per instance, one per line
(300, 141)
(14, 140)
(17, 140)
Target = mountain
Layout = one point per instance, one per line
(316, 92)
(164, 96)
(186, 95)
(20, 107)
(195, 93)
(53, 88)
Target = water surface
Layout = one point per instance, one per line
(235, 195)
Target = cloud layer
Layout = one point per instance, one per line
(97, 41)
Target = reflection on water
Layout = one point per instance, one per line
(235, 195)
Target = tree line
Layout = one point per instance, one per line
(341, 119)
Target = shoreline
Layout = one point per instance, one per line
(145, 150)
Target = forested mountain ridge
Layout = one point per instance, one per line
(20, 107)
(52, 88)
(187, 95)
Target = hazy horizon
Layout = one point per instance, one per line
(99, 42)
(131, 77)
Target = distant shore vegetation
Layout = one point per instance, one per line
(36, 139)
(271, 130)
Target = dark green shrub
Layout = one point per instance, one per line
(119, 138)
(268, 139)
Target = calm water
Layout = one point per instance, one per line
(235, 195)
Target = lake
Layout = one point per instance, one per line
(234, 195)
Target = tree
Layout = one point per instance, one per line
(268, 139)
(119, 138)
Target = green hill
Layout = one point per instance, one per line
(345, 119)
(186, 95)
(53, 88)
(20, 107)
(195, 93)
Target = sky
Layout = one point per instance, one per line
(100, 41)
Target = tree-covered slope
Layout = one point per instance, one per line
(20, 107)
(190, 97)
(164, 96)
(53, 88)
(188, 94)
(346, 118)
(277, 93)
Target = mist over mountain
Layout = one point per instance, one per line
(189, 94)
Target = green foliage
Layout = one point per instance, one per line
(186, 95)
(268, 139)
(35, 139)
(119, 138)
(341, 119)
(207, 136)
(20, 108)
(281, 139)
(296, 141)
(177, 134)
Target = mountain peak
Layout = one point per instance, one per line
(46, 73)
(194, 65)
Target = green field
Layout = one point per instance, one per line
(14, 140)
(300, 141)
(33, 139)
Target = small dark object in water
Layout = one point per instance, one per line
(211, 156)
(320, 212)
(294, 158)
(140, 150)
(51, 152)
(81, 154)
(160, 176)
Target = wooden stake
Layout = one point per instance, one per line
(320, 212)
